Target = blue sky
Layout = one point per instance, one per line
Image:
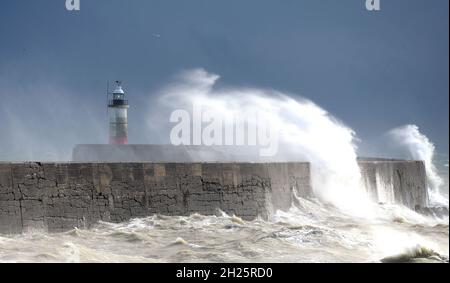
(373, 70)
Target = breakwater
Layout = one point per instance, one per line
(60, 196)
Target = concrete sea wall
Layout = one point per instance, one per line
(393, 181)
(58, 197)
(387, 180)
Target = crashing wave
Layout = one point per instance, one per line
(416, 254)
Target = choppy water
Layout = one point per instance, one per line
(309, 232)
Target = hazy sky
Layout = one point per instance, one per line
(373, 70)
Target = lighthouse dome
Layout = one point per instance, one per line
(118, 90)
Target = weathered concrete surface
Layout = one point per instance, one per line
(391, 181)
(387, 180)
(58, 197)
(61, 196)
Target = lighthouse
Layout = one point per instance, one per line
(118, 116)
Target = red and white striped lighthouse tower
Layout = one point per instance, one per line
(118, 116)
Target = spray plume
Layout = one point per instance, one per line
(421, 148)
(306, 132)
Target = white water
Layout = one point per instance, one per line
(305, 131)
(421, 148)
(309, 232)
(385, 189)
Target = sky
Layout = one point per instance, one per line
(372, 70)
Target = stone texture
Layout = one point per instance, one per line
(58, 197)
